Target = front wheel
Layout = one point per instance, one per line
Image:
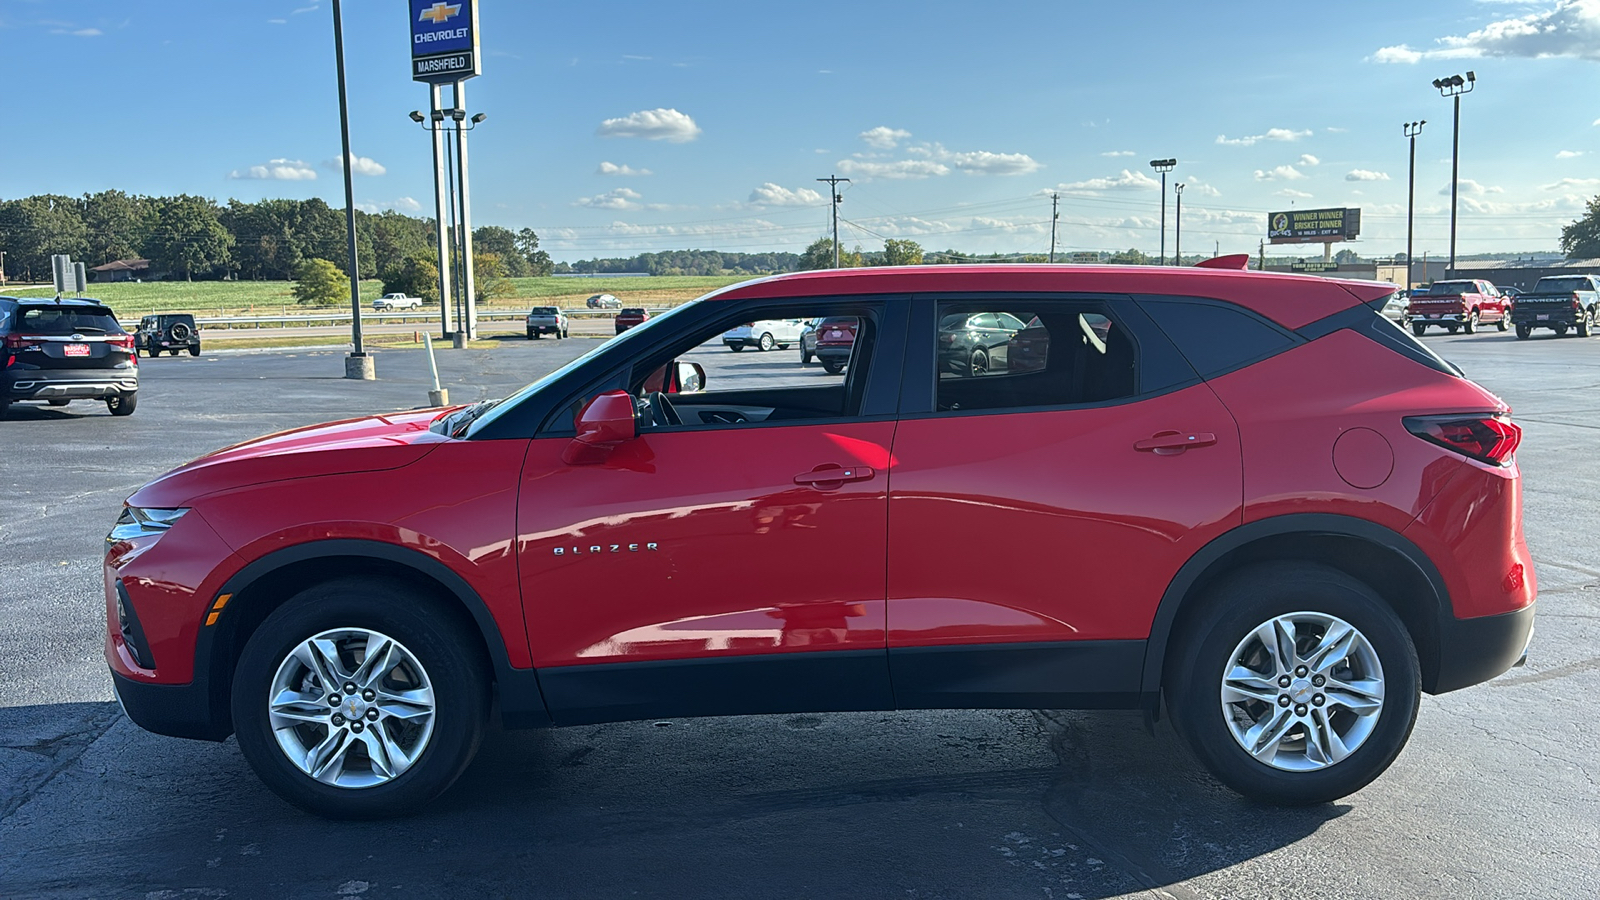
(805, 357)
(1298, 683)
(122, 404)
(1503, 323)
(767, 343)
(360, 699)
(737, 348)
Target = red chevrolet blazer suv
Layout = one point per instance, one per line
(1246, 499)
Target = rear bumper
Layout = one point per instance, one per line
(1551, 318)
(1475, 650)
(833, 354)
(69, 384)
(543, 328)
(176, 710)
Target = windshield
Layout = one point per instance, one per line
(1563, 284)
(637, 334)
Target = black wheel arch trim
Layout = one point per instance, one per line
(522, 702)
(1178, 589)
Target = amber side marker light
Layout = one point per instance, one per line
(216, 608)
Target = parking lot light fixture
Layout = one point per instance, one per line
(1412, 129)
(1163, 166)
(1454, 86)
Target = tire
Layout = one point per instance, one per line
(767, 343)
(195, 350)
(533, 335)
(1524, 332)
(58, 402)
(179, 331)
(123, 404)
(978, 364)
(805, 357)
(1471, 327)
(1560, 330)
(1583, 328)
(1418, 328)
(737, 348)
(174, 352)
(1221, 689)
(1452, 328)
(351, 615)
(5, 407)
(1503, 323)
(832, 368)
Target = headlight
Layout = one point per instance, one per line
(136, 523)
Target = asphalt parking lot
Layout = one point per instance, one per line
(1497, 795)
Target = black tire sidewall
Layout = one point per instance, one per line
(438, 641)
(1235, 607)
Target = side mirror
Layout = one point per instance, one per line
(686, 378)
(607, 421)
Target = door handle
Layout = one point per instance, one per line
(827, 475)
(1169, 443)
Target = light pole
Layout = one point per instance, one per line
(453, 250)
(1411, 129)
(1163, 166)
(1454, 86)
(1177, 230)
(358, 364)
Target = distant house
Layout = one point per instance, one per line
(122, 270)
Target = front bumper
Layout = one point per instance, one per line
(176, 710)
(1472, 651)
(69, 384)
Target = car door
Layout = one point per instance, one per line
(1036, 517)
(729, 562)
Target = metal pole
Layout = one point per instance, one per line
(464, 204)
(1411, 130)
(1177, 236)
(1055, 200)
(1455, 182)
(459, 335)
(1163, 260)
(441, 184)
(353, 369)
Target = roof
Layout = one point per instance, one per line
(123, 265)
(1293, 300)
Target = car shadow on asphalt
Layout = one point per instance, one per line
(924, 804)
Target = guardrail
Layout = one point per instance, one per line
(376, 316)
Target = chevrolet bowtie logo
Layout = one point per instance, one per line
(440, 13)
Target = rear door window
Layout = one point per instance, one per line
(60, 320)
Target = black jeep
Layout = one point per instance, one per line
(171, 332)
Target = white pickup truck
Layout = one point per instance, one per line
(397, 301)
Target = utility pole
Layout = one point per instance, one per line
(1177, 237)
(358, 364)
(1055, 215)
(1163, 166)
(1411, 129)
(837, 198)
(1454, 86)
(1262, 265)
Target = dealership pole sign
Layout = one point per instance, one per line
(444, 41)
(1313, 226)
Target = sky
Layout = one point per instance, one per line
(619, 128)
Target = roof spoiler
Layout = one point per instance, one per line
(1239, 261)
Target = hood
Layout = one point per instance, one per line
(369, 444)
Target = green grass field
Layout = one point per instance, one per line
(212, 298)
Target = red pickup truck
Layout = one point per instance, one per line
(1459, 306)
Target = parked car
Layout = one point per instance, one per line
(1559, 303)
(630, 316)
(836, 341)
(172, 332)
(603, 301)
(397, 301)
(1459, 305)
(58, 351)
(975, 343)
(547, 320)
(1187, 512)
(765, 335)
(1397, 307)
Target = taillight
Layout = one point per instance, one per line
(1486, 438)
(1577, 303)
(125, 341)
(17, 342)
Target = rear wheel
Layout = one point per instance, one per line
(1417, 328)
(1452, 328)
(978, 364)
(352, 705)
(767, 343)
(1298, 684)
(122, 404)
(832, 368)
(58, 402)
(1560, 330)
(1472, 323)
(1524, 332)
(533, 335)
(195, 350)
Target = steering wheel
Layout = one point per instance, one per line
(661, 411)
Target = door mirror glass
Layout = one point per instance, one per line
(687, 378)
(608, 420)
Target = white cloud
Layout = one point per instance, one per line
(654, 125)
(1571, 28)
(1127, 181)
(1293, 194)
(611, 168)
(1473, 188)
(1117, 153)
(883, 137)
(1565, 184)
(621, 198)
(1280, 173)
(982, 162)
(1202, 189)
(277, 170)
(359, 165)
(1569, 154)
(402, 204)
(1307, 159)
(1271, 134)
(1366, 175)
(277, 21)
(770, 194)
(905, 168)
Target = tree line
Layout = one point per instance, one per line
(189, 237)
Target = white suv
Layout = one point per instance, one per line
(766, 334)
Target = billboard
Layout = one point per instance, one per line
(1313, 226)
(444, 40)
